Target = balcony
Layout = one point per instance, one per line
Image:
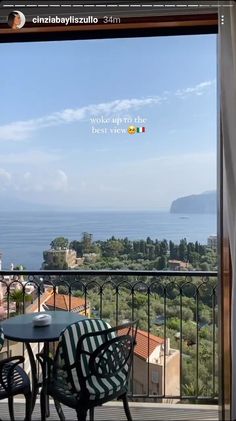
(114, 412)
(175, 369)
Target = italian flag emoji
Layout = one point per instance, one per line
(140, 129)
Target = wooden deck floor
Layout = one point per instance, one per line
(114, 412)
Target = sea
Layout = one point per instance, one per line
(25, 235)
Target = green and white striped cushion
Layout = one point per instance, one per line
(98, 388)
(1, 337)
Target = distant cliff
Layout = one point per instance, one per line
(196, 203)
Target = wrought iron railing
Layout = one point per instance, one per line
(176, 356)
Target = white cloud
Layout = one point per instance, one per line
(48, 181)
(5, 176)
(60, 182)
(198, 90)
(22, 130)
(5, 179)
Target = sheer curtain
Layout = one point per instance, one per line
(228, 119)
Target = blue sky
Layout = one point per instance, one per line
(51, 91)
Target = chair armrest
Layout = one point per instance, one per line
(11, 365)
(18, 358)
(43, 360)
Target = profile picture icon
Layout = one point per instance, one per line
(16, 20)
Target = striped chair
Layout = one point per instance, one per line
(14, 381)
(92, 366)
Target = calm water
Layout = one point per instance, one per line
(24, 236)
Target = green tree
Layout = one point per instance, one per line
(63, 290)
(202, 249)
(19, 298)
(142, 246)
(173, 323)
(189, 331)
(190, 249)
(204, 266)
(187, 314)
(136, 246)
(78, 247)
(162, 262)
(183, 250)
(60, 243)
(128, 246)
(163, 248)
(78, 293)
(172, 250)
(139, 301)
(192, 390)
(205, 315)
(112, 248)
(157, 248)
(193, 258)
(151, 252)
(19, 267)
(87, 242)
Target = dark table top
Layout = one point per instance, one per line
(21, 329)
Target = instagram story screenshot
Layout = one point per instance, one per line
(117, 209)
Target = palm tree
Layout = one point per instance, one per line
(19, 298)
(192, 390)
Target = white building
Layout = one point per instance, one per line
(212, 242)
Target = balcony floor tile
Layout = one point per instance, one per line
(114, 412)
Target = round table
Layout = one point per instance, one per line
(21, 329)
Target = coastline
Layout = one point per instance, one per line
(24, 236)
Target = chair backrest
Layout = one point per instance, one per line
(1, 338)
(66, 356)
(93, 353)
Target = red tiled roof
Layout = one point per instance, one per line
(141, 349)
(43, 298)
(64, 302)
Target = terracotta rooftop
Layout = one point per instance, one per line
(141, 349)
(43, 298)
(64, 302)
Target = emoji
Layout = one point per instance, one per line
(131, 129)
(140, 129)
